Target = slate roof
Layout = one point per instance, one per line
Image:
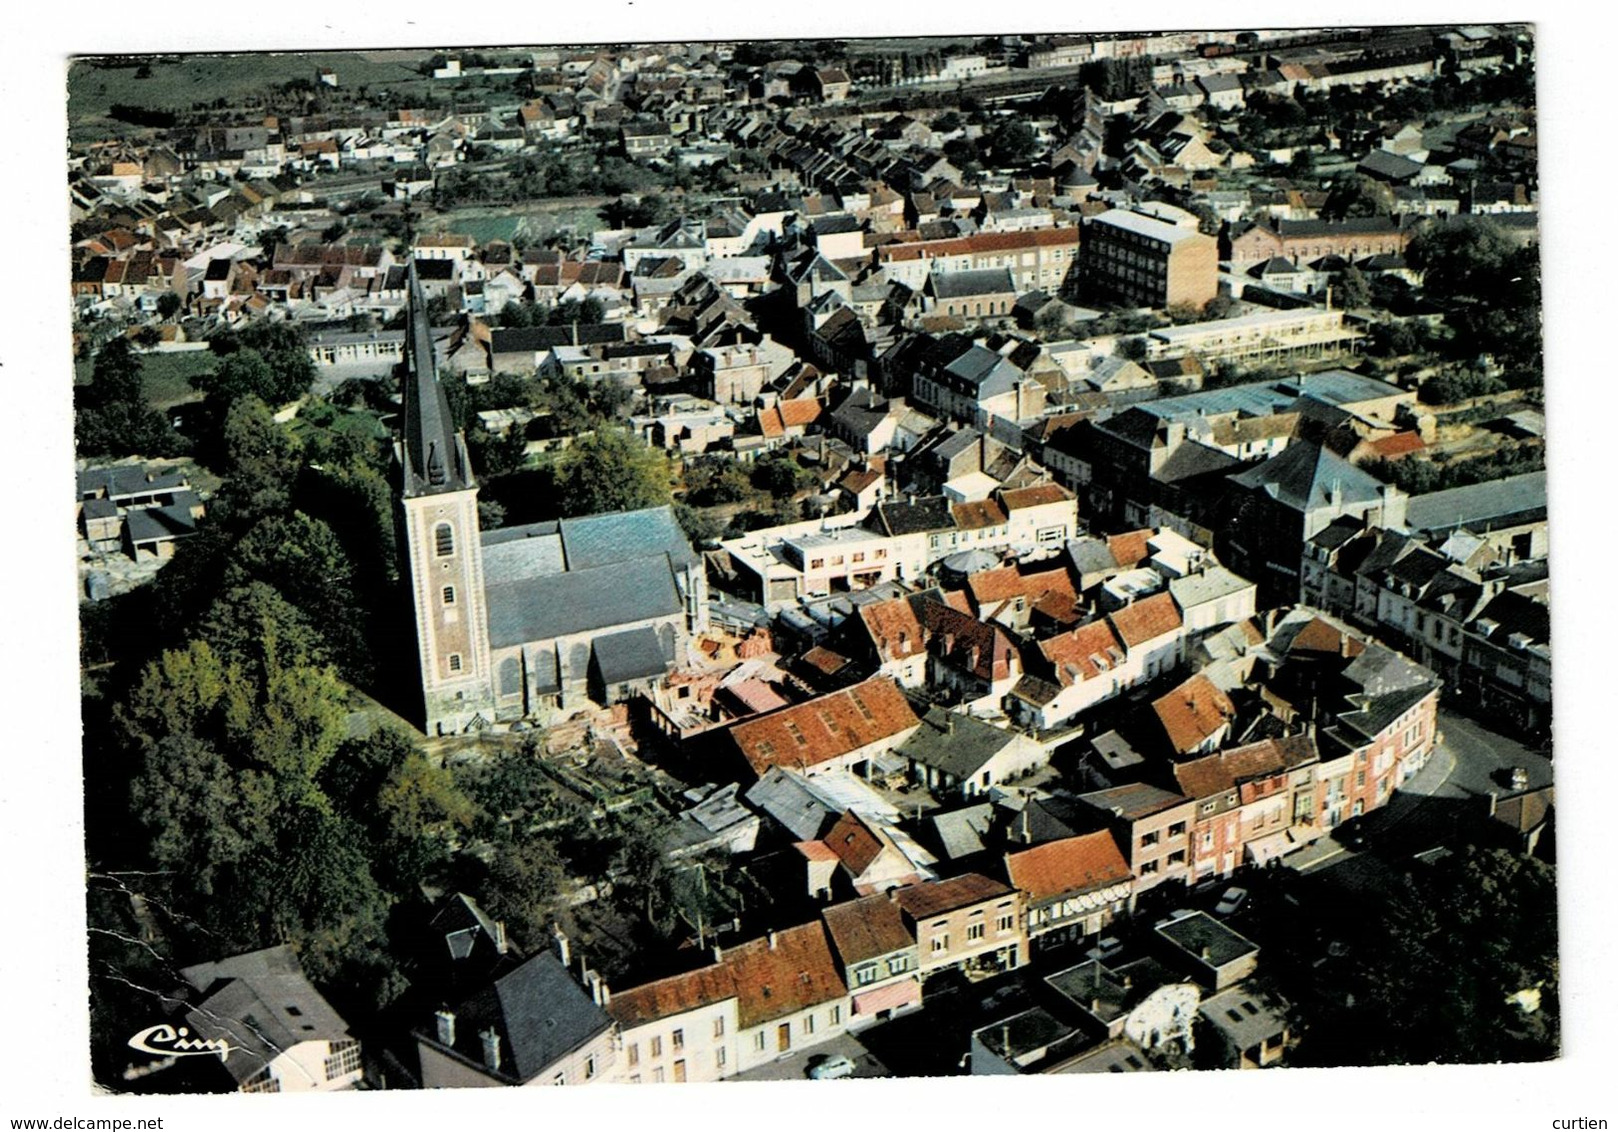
(955, 743)
(580, 601)
(634, 654)
(151, 524)
(1132, 802)
(1071, 865)
(961, 832)
(920, 516)
(969, 284)
(261, 1003)
(540, 1013)
(1303, 477)
(1481, 506)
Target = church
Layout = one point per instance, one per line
(533, 622)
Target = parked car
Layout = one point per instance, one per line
(830, 1068)
(1106, 947)
(1231, 902)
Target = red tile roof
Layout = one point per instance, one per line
(1222, 772)
(867, 928)
(677, 994)
(921, 901)
(1193, 712)
(1071, 865)
(983, 513)
(1399, 444)
(984, 242)
(1006, 582)
(1146, 619)
(986, 651)
(1129, 548)
(855, 843)
(1084, 653)
(797, 973)
(1322, 636)
(825, 728)
(1034, 496)
(894, 628)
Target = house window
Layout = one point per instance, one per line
(1005, 923)
(808, 1023)
(657, 1075)
(678, 1040)
(1148, 868)
(865, 975)
(657, 1046)
(633, 1054)
(344, 1059)
(1177, 857)
(262, 1082)
(940, 943)
(836, 1015)
(443, 540)
(1147, 839)
(718, 1027)
(719, 1057)
(454, 662)
(1177, 829)
(1208, 807)
(897, 963)
(449, 595)
(559, 1079)
(679, 1070)
(974, 931)
(590, 1067)
(758, 1041)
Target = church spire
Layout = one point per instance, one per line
(434, 455)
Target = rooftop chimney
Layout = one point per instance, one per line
(501, 945)
(772, 938)
(446, 1027)
(491, 1050)
(718, 954)
(563, 951)
(1207, 952)
(594, 982)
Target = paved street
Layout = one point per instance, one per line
(1432, 807)
(795, 1066)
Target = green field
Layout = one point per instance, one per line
(180, 82)
(167, 377)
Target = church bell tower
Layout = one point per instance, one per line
(439, 498)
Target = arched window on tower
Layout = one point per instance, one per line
(443, 540)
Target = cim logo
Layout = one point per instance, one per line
(165, 1041)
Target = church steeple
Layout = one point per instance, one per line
(443, 543)
(434, 455)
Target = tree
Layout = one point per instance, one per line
(168, 304)
(780, 475)
(255, 454)
(611, 470)
(1012, 143)
(1352, 289)
(1356, 195)
(1432, 976)
(115, 376)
